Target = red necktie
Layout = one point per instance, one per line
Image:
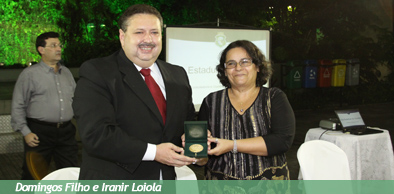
(156, 92)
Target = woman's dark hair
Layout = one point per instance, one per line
(138, 9)
(257, 58)
(40, 41)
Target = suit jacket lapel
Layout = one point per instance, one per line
(133, 79)
(171, 95)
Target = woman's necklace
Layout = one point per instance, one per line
(247, 99)
(242, 110)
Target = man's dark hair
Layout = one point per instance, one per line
(257, 57)
(138, 9)
(40, 41)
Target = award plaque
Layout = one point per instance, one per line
(196, 139)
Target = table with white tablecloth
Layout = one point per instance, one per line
(370, 156)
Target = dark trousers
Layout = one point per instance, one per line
(56, 143)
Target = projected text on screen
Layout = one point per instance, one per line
(198, 50)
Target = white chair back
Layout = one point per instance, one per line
(323, 160)
(69, 173)
(185, 173)
(72, 173)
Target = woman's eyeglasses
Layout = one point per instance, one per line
(243, 63)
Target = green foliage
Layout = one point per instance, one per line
(20, 23)
(90, 30)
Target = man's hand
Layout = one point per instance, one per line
(168, 153)
(31, 140)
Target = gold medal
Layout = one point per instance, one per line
(195, 148)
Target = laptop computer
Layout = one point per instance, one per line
(353, 123)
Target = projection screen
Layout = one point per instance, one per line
(198, 50)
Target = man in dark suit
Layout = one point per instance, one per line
(125, 131)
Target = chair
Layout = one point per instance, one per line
(323, 160)
(69, 173)
(185, 173)
(37, 165)
(72, 173)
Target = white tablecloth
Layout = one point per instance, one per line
(370, 156)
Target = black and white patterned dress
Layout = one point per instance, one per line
(270, 116)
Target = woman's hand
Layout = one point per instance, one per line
(222, 146)
(255, 146)
(209, 135)
(183, 140)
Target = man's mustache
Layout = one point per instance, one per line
(147, 45)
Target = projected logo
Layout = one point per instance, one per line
(220, 39)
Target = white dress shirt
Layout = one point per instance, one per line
(150, 153)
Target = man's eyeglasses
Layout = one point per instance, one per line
(55, 45)
(243, 63)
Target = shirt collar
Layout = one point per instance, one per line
(48, 68)
(154, 68)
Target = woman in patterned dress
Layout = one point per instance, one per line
(251, 126)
